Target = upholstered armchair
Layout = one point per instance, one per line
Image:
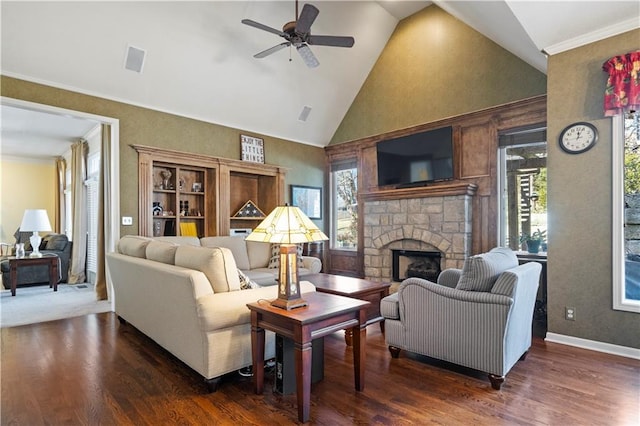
(478, 317)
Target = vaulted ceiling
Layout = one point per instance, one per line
(198, 56)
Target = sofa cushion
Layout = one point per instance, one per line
(216, 263)
(180, 240)
(161, 251)
(133, 245)
(480, 272)
(237, 245)
(56, 242)
(259, 254)
(274, 261)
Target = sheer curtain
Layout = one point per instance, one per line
(61, 171)
(104, 207)
(79, 152)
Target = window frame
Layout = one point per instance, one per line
(620, 302)
(337, 166)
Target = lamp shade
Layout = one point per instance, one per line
(35, 220)
(286, 225)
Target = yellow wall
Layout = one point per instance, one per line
(24, 185)
(433, 67)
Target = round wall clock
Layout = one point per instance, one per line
(578, 137)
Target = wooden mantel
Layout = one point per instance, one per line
(435, 190)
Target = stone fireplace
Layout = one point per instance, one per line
(427, 219)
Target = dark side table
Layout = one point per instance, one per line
(47, 259)
(324, 314)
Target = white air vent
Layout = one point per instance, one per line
(304, 114)
(134, 60)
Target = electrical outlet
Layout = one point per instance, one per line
(570, 314)
(127, 220)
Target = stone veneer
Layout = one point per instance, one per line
(439, 222)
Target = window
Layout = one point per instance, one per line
(93, 170)
(626, 212)
(523, 186)
(344, 205)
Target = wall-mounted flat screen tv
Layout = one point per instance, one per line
(417, 159)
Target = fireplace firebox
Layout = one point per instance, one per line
(416, 263)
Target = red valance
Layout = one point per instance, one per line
(623, 85)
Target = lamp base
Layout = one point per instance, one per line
(35, 240)
(289, 304)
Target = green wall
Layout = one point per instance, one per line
(433, 67)
(148, 127)
(579, 199)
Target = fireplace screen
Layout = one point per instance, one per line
(413, 263)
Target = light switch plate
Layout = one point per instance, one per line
(127, 220)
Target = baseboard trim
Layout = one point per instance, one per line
(594, 345)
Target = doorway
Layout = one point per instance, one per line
(111, 219)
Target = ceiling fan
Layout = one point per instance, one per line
(298, 34)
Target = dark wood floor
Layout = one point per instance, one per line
(92, 370)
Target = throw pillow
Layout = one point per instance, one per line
(480, 272)
(245, 281)
(56, 242)
(274, 261)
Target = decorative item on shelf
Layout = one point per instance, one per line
(188, 229)
(184, 208)
(33, 221)
(166, 176)
(157, 208)
(535, 240)
(249, 210)
(157, 228)
(197, 187)
(181, 184)
(287, 226)
(252, 149)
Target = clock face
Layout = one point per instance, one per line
(578, 137)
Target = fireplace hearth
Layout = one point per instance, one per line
(415, 263)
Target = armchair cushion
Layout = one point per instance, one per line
(480, 272)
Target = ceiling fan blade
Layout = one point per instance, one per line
(306, 18)
(271, 50)
(263, 27)
(324, 40)
(307, 56)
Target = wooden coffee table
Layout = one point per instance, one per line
(356, 288)
(324, 314)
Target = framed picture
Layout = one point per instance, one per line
(252, 149)
(308, 199)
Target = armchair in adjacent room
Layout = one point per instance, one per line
(478, 317)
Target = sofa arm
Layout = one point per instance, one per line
(313, 264)
(429, 289)
(450, 277)
(389, 307)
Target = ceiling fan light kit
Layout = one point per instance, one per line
(298, 34)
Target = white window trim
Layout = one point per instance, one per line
(620, 302)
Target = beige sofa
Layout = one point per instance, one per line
(251, 257)
(188, 300)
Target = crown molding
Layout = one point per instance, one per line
(600, 34)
